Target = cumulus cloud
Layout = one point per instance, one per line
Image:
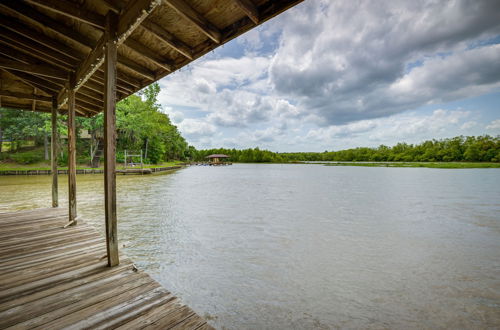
(334, 70)
(468, 125)
(195, 129)
(354, 60)
(494, 125)
(411, 127)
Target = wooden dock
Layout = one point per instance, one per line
(53, 277)
(135, 171)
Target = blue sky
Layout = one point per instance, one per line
(330, 75)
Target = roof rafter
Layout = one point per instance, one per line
(33, 81)
(55, 26)
(37, 37)
(42, 70)
(88, 99)
(149, 54)
(25, 96)
(137, 68)
(167, 38)
(133, 15)
(24, 46)
(196, 18)
(88, 106)
(40, 107)
(71, 10)
(47, 22)
(249, 8)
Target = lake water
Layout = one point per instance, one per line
(307, 246)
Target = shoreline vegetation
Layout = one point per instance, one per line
(454, 153)
(460, 149)
(4, 167)
(445, 165)
(144, 130)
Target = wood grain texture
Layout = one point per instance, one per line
(110, 140)
(71, 152)
(54, 277)
(53, 152)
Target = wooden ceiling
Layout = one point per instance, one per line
(46, 45)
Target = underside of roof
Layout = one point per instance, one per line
(48, 46)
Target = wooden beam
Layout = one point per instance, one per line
(7, 104)
(36, 17)
(100, 80)
(39, 38)
(122, 78)
(26, 96)
(23, 46)
(110, 141)
(72, 10)
(91, 93)
(71, 151)
(89, 100)
(89, 107)
(41, 70)
(133, 15)
(137, 68)
(91, 63)
(113, 5)
(249, 8)
(167, 37)
(196, 18)
(15, 55)
(33, 81)
(53, 149)
(149, 54)
(94, 86)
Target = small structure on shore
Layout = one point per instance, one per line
(217, 158)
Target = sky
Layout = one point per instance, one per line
(332, 75)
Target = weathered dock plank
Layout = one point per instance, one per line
(54, 277)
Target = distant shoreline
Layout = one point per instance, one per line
(449, 165)
(19, 169)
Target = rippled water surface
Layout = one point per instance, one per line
(307, 246)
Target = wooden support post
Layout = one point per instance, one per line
(53, 158)
(71, 150)
(110, 139)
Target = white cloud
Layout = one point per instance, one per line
(342, 73)
(410, 127)
(196, 129)
(349, 61)
(468, 125)
(494, 125)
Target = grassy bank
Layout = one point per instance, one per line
(31, 158)
(46, 166)
(419, 164)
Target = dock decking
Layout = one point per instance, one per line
(53, 277)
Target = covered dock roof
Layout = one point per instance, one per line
(50, 46)
(217, 156)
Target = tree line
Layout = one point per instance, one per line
(484, 148)
(141, 127)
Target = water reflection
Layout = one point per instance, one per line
(308, 246)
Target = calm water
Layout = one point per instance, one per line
(308, 246)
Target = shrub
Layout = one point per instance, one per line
(28, 157)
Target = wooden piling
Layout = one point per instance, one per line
(53, 151)
(110, 140)
(71, 152)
